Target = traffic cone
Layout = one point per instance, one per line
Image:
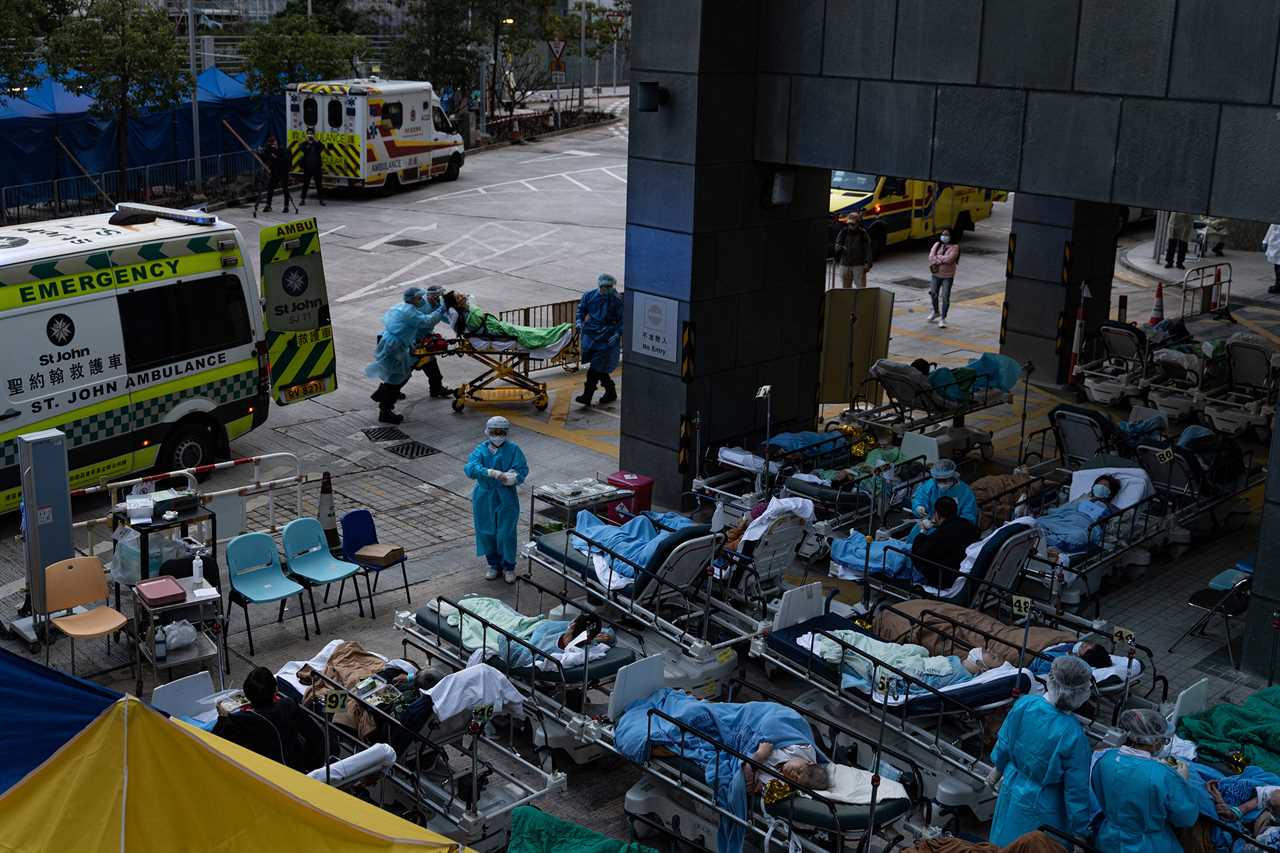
(325, 512)
(515, 131)
(1157, 310)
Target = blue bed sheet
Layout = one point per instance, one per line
(877, 558)
(1070, 527)
(807, 443)
(636, 541)
(741, 727)
(1250, 778)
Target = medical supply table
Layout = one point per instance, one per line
(573, 497)
(201, 611)
(183, 521)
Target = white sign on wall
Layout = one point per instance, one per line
(655, 321)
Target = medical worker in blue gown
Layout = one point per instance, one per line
(599, 333)
(1043, 755)
(944, 479)
(498, 467)
(1143, 798)
(403, 325)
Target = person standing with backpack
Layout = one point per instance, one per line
(853, 252)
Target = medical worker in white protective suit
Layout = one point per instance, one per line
(498, 466)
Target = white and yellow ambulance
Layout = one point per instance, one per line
(898, 209)
(376, 133)
(142, 335)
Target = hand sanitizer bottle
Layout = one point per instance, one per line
(197, 573)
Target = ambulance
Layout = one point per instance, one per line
(376, 133)
(898, 209)
(142, 335)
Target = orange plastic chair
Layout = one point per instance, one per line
(74, 583)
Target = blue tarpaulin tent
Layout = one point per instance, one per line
(43, 709)
(29, 154)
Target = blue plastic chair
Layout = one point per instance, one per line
(306, 553)
(253, 567)
(358, 531)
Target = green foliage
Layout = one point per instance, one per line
(436, 44)
(568, 28)
(23, 23)
(123, 55)
(332, 16)
(292, 49)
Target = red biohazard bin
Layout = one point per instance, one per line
(641, 501)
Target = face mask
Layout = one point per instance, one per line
(945, 238)
(1101, 491)
(1165, 750)
(946, 484)
(497, 440)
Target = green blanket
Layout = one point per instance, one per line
(499, 613)
(534, 831)
(529, 337)
(1252, 728)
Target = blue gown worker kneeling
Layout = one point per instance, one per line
(599, 332)
(944, 480)
(498, 467)
(402, 326)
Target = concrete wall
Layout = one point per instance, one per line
(1153, 103)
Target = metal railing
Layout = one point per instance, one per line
(224, 176)
(545, 316)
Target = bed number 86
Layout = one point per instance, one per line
(335, 702)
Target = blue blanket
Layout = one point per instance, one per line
(876, 558)
(1235, 790)
(1069, 528)
(741, 727)
(636, 541)
(806, 443)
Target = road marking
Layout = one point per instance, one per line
(563, 155)
(1258, 329)
(373, 244)
(577, 183)
(332, 230)
(477, 261)
(605, 169)
(370, 288)
(951, 342)
(529, 185)
(484, 189)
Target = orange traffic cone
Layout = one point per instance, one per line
(515, 131)
(1157, 310)
(325, 513)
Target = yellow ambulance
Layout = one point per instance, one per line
(897, 209)
(142, 335)
(376, 133)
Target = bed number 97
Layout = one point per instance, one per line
(1021, 605)
(1122, 635)
(335, 702)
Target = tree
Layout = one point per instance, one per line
(291, 49)
(331, 16)
(599, 34)
(124, 56)
(23, 24)
(436, 44)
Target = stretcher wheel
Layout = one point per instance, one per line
(540, 402)
(457, 404)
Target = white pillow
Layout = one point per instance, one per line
(1134, 484)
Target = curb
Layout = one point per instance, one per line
(1123, 257)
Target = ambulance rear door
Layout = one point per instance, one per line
(296, 305)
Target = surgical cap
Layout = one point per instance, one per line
(1071, 680)
(496, 422)
(943, 469)
(1144, 725)
(606, 280)
(413, 294)
(435, 290)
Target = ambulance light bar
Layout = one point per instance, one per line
(191, 217)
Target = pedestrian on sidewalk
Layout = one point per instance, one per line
(393, 360)
(279, 163)
(943, 258)
(1181, 231)
(599, 333)
(1215, 234)
(853, 252)
(1271, 246)
(498, 466)
(312, 166)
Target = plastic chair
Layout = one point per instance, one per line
(73, 583)
(306, 553)
(253, 569)
(358, 531)
(181, 698)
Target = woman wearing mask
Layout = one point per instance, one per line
(1043, 753)
(943, 258)
(1143, 798)
(498, 467)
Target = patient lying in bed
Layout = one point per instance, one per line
(472, 321)
(860, 672)
(1073, 526)
(772, 734)
(636, 542)
(569, 642)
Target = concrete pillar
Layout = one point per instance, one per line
(723, 286)
(1055, 245)
(1264, 601)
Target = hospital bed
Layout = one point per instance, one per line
(943, 730)
(1120, 374)
(864, 504)
(915, 405)
(1248, 400)
(675, 596)
(744, 476)
(457, 776)
(1182, 380)
(507, 367)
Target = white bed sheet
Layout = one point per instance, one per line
(1134, 484)
(741, 458)
(505, 346)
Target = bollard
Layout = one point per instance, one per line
(325, 513)
(1122, 309)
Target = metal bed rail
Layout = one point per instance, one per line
(922, 409)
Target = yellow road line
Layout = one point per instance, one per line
(1258, 329)
(951, 342)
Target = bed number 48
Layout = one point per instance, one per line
(335, 702)
(1021, 605)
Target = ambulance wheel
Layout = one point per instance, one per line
(964, 222)
(391, 185)
(187, 446)
(457, 404)
(455, 168)
(540, 402)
